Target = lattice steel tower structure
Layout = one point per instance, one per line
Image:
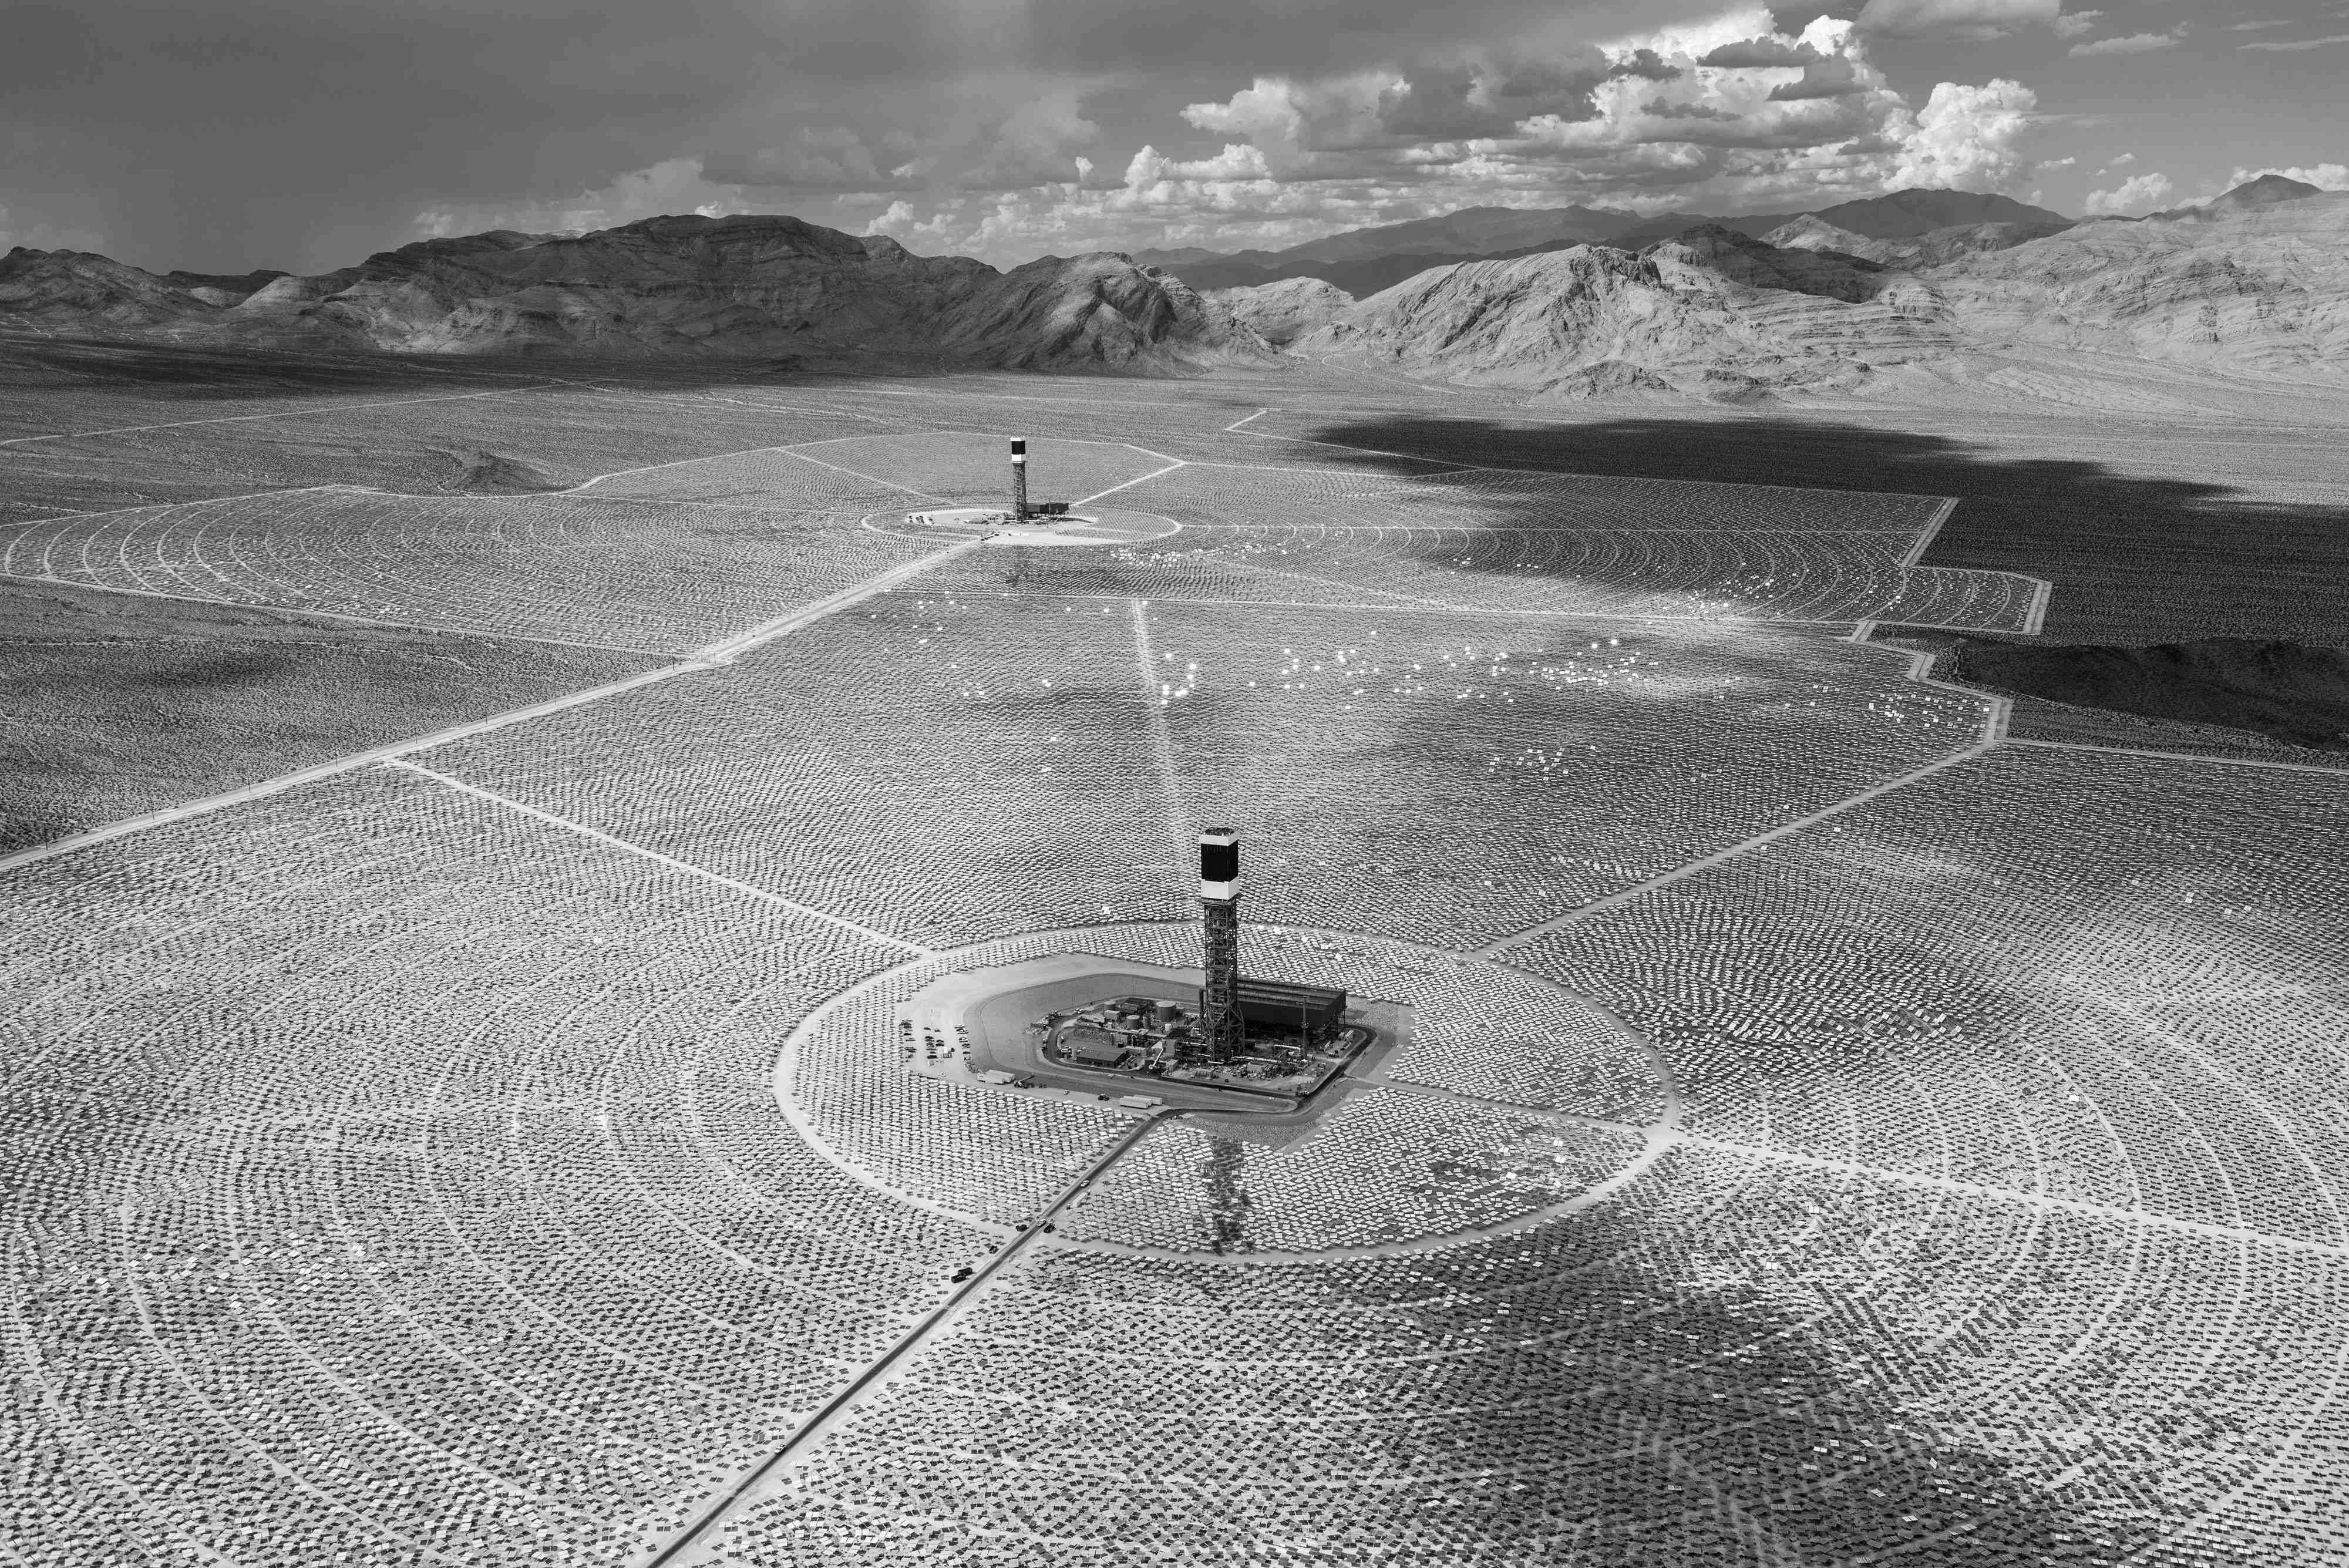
(1020, 479)
(1220, 1029)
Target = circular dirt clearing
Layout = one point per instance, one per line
(1094, 525)
(1492, 1100)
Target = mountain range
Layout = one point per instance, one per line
(767, 285)
(2254, 284)
(1363, 261)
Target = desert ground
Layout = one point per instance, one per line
(468, 821)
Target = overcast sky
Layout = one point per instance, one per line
(219, 135)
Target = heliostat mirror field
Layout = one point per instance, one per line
(1832, 1129)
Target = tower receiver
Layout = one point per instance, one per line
(1220, 1025)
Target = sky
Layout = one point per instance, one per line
(223, 135)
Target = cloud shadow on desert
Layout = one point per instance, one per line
(2134, 558)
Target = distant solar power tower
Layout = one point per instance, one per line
(1020, 479)
(1220, 1029)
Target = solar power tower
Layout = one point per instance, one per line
(1219, 905)
(1020, 479)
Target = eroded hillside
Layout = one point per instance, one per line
(771, 286)
(2247, 289)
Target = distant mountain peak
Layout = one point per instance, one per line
(1904, 215)
(2265, 192)
(2251, 196)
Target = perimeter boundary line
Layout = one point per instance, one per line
(598, 835)
(733, 647)
(2034, 615)
(354, 761)
(1910, 557)
(1995, 716)
(1671, 1135)
(851, 472)
(709, 657)
(2029, 1199)
(534, 386)
(1680, 873)
(291, 610)
(1112, 489)
(820, 1421)
(1998, 710)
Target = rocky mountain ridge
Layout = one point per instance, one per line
(1931, 248)
(1364, 261)
(2256, 289)
(1281, 313)
(1469, 231)
(1594, 321)
(750, 286)
(2254, 286)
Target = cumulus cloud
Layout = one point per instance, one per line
(1662, 109)
(1970, 138)
(2325, 176)
(1238, 161)
(897, 218)
(1359, 123)
(2137, 193)
(1230, 196)
(2128, 44)
(1747, 53)
(1726, 112)
(305, 135)
(1830, 77)
(1293, 122)
(1953, 18)
(1646, 62)
(1812, 91)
